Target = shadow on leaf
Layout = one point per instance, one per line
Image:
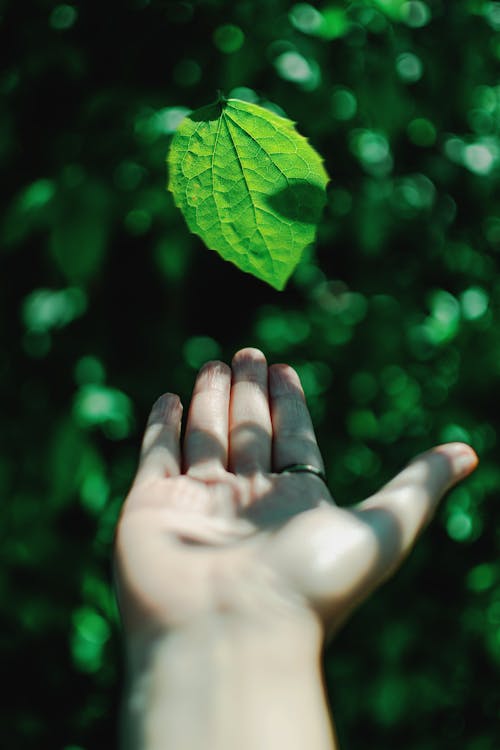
(205, 114)
(299, 201)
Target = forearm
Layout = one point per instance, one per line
(224, 687)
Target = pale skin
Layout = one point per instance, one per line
(231, 574)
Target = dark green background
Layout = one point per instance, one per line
(392, 321)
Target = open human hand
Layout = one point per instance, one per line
(218, 529)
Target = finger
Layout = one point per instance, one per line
(402, 508)
(160, 451)
(294, 440)
(206, 438)
(249, 417)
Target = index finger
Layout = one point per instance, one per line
(160, 450)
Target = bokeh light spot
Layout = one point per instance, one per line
(45, 309)
(186, 73)
(392, 8)
(421, 132)
(474, 302)
(150, 125)
(315, 377)
(413, 193)
(372, 19)
(492, 230)
(36, 195)
(306, 18)
(91, 625)
(390, 698)
(169, 119)
(394, 380)
(409, 67)
(200, 349)
(335, 23)
(443, 322)
(459, 526)
(344, 104)
(128, 175)
(454, 149)
(361, 460)
(277, 330)
(482, 577)
(452, 433)
(63, 17)
(228, 38)
(90, 633)
(481, 121)
(486, 98)
(244, 93)
(362, 424)
(330, 23)
(415, 14)
(89, 370)
(478, 158)
(372, 147)
(172, 256)
(292, 66)
(391, 425)
(373, 151)
(99, 405)
(94, 491)
(138, 221)
(492, 15)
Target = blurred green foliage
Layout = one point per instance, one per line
(392, 322)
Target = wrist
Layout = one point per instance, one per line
(221, 684)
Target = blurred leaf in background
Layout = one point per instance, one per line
(392, 321)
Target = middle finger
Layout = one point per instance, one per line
(206, 439)
(249, 416)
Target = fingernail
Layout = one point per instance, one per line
(162, 405)
(465, 462)
(463, 457)
(159, 405)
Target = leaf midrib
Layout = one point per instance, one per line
(250, 193)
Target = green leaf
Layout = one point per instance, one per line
(249, 185)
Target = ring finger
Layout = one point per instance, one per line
(294, 441)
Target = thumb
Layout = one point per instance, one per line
(404, 506)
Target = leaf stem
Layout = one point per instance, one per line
(221, 98)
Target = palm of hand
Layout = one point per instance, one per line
(249, 542)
